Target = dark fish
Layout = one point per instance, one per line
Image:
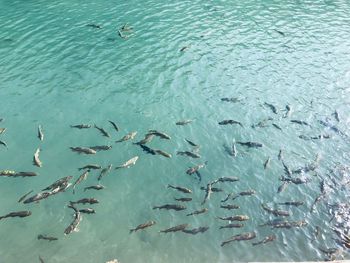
(290, 224)
(336, 116)
(233, 100)
(229, 207)
(294, 203)
(121, 35)
(304, 137)
(295, 180)
(24, 196)
(3, 143)
(175, 228)
(192, 143)
(248, 192)
(184, 48)
(195, 231)
(280, 32)
(190, 154)
(36, 160)
(81, 178)
(148, 138)
(276, 126)
(143, 226)
(208, 192)
(227, 197)
(104, 171)
(58, 183)
(162, 135)
(83, 150)
(231, 122)
(265, 240)
(17, 214)
(91, 166)
(40, 133)
(101, 148)
(229, 179)
(251, 144)
(299, 122)
(43, 237)
(85, 201)
(94, 187)
(181, 189)
(320, 137)
(240, 237)
(114, 125)
(280, 156)
(37, 197)
(213, 189)
(94, 26)
(183, 122)
(275, 212)
(282, 187)
(267, 162)
(232, 225)
(183, 199)
(288, 111)
(147, 149)
(163, 153)
(81, 126)
(272, 107)
(74, 225)
(87, 211)
(287, 170)
(103, 132)
(198, 212)
(235, 218)
(129, 136)
(170, 207)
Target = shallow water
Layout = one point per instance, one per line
(56, 71)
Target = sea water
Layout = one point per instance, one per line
(56, 71)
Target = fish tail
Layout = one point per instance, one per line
(131, 230)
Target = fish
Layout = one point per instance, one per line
(251, 144)
(81, 178)
(87, 211)
(208, 192)
(188, 153)
(287, 170)
(262, 123)
(181, 189)
(267, 162)
(248, 192)
(40, 133)
(17, 214)
(114, 125)
(24, 196)
(125, 27)
(213, 189)
(84, 201)
(58, 183)
(198, 212)
(294, 203)
(101, 148)
(240, 237)
(229, 207)
(3, 143)
(91, 167)
(183, 122)
(148, 149)
(192, 143)
(184, 48)
(41, 259)
(195, 231)
(196, 168)
(43, 237)
(276, 126)
(336, 116)
(121, 35)
(2, 130)
(129, 136)
(81, 126)
(235, 218)
(94, 26)
(288, 111)
(143, 226)
(83, 150)
(74, 225)
(36, 159)
(128, 163)
(18, 174)
(280, 32)
(272, 107)
(165, 154)
(233, 100)
(232, 225)
(320, 137)
(104, 171)
(231, 122)
(94, 187)
(37, 197)
(282, 187)
(183, 199)
(290, 224)
(227, 197)
(317, 200)
(170, 207)
(275, 212)
(280, 155)
(148, 138)
(175, 228)
(295, 180)
(265, 240)
(162, 135)
(234, 150)
(300, 122)
(102, 131)
(230, 179)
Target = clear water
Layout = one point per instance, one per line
(55, 71)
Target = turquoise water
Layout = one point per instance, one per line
(56, 71)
